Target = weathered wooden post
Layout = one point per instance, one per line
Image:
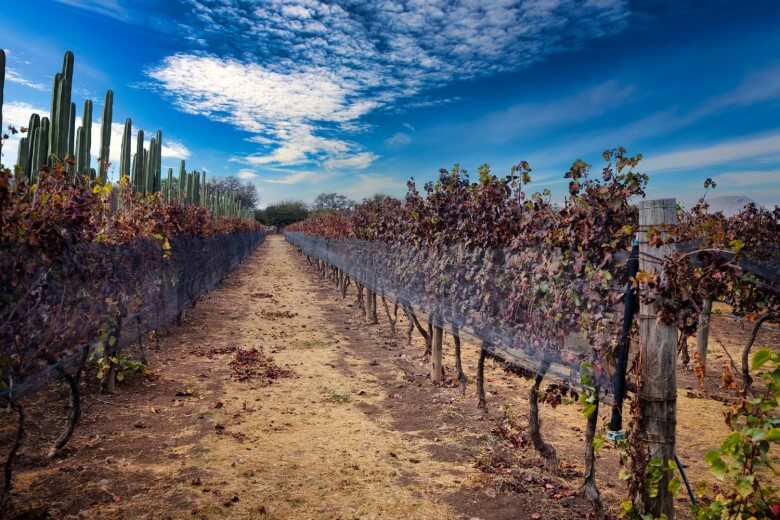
(703, 333)
(658, 357)
(437, 370)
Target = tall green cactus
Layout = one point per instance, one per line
(61, 110)
(71, 153)
(149, 167)
(169, 186)
(138, 169)
(26, 161)
(41, 148)
(22, 159)
(182, 180)
(105, 136)
(79, 139)
(83, 157)
(2, 86)
(157, 163)
(203, 191)
(124, 156)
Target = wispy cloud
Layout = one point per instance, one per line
(724, 152)
(298, 177)
(762, 85)
(738, 178)
(246, 174)
(14, 77)
(358, 161)
(110, 8)
(365, 185)
(398, 139)
(428, 102)
(529, 118)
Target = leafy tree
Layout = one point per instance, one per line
(283, 213)
(325, 202)
(245, 192)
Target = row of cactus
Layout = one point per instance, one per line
(48, 140)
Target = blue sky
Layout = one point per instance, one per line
(305, 96)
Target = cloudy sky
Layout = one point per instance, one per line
(356, 96)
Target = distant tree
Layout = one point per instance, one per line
(379, 197)
(283, 213)
(245, 192)
(332, 202)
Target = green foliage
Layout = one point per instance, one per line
(742, 461)
(283, 213)
(589, 395)
(124, 366)
(325, 202)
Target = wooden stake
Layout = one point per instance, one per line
(437, 370)
(658, 356)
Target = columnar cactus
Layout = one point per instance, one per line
(26, 161)
(2, 86)
(83, 157)
(138, 166)
(145, 175)
(124, 156)
(79, 139)
(61, 108)
(105, 136)
(182, 180)
(157, 162)
(203, 191)
(169, 186)
(22, 158)
(41, 148)
(71, 138)
(149, 167)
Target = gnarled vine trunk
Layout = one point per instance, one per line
(534, 423)
(482, 403)
(591, 490)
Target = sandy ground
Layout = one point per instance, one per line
(355, 430)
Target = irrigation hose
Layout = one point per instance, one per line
(687, 483)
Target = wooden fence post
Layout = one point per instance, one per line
(437, 370)
(703, 333)
(658, 361)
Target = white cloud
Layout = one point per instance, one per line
(297, 178)
(246, 174)
(14, 77)
(723, 152)
(358, 161)
(762, 85)
(110, 8)
(528, 118)
(735, 179)
(366, 185)
(398, 139)
(300, 147)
